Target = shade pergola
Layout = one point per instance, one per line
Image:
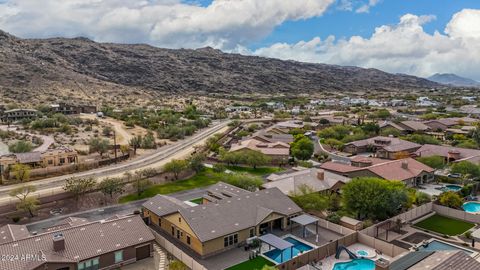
(276, 242)
(305, 220)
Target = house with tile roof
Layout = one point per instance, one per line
(277, 151)
(317, 180)
(224, 223)
(449, 153)
(105, 244)
(382, 147)
(408, 170)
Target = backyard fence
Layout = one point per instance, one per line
(386, 248)
(318, 254)
(177, 253)
(334, 227)
(455, 213)
(408, 216)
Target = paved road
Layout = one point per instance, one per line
(319, 147)
(45, 186)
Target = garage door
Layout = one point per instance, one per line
(143, 252)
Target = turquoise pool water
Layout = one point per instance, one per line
(362, 253)
(437, 245)
(471, 207)
(357, 264)
(275, 254)
(451, 188)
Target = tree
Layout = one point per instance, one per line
(436, 162)
(99, 145)
(107, 131)
(177, 265)
(465, 168)
(372, 128)
(422, 139)
(124, 149)
(254, 158)
(390, 131)
(79, 187)
(195, 162)
(111, 186)
(213, 144)
(476, 134)
(309, 200)
(374, 198)
(302, 148)
(176, 167)
(21, 172)
(148, 141)
(450, 199)
(20, 146)
(135, 143)
(242, 180)
(26, 203)
(141, 185)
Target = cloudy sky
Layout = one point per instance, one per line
(418, 37)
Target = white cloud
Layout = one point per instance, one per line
(223, 24)
(365, 8)
(403, 48)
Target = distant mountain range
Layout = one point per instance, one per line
(78, 68)
(453, 79)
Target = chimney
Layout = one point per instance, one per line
(321, 175)
(404, 164)
(58, 242)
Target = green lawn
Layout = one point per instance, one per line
(201, 179)
(258, 171)
(444, 225)
(197, 200)
(256, 264)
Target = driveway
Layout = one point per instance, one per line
(46, 140)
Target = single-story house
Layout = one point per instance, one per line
(215, 227)
(278, 151)
(450, 153)
(407, 170)
(383, 147)
(317, 180)
(105, 244)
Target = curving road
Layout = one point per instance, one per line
(45, 187)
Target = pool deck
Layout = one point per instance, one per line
(433, 189)
(330, 262)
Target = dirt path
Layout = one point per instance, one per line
(123, 136)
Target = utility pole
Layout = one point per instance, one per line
(115, 144)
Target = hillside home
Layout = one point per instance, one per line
(67, 109)
(105, 244)
(49, 158)
(383, 147)
(408, 170)
(449, 153)
(17, 115)
(226, 223)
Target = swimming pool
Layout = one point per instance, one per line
(275, 254)
(471, 207)
(357, 264)
(435, 245)
(451, 188)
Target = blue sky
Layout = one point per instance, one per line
(348, 23)
(396, 36)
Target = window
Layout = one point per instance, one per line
(179, 220)
(173, 230)
(62, 160)
(230, 240)
(50, 162)
(252, 232)
(92, 264)
(118, 256)
(188, 240)
(178, 234)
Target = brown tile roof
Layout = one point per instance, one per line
(401, 169)
(390, 169)
(213, 220)
(391, 144)
(11, 232)
(271, 149)
(428, 150)
(81, 242)
(415, 125)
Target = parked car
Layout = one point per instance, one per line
(454, 175)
